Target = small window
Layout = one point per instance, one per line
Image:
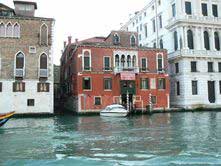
(107, 84)
(194, 88)
(32, 49)
(132, 41)
(2, 30)
(160, 22)
(160, 62)
(219, 87)
(177, 88)
(175, 38)
(219, 66)
(193, 66)
(215, 10)
(174, 10)
(143, 64)
(97, 100)
(18, 87)
(16, 32)
(107, 63)
(206, 40)
(43, 87)
(141, 27)
(9, 30)
(177, 68)
(204, 9)
(161, 83)
(0, 86)
(161, 43)
(145, 28)
(31, 102)
(153, 25)
(188, 8)
(87, 61)
(159, 2)
(116, 39)
(87, 83)
(153, 99)
(144, 83)
(210, 67)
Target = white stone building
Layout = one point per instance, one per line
(191, 32)
(26, 60)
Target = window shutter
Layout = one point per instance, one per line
(23, 86)
(14, 86)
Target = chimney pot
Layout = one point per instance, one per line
(69, 39)
(76, 40)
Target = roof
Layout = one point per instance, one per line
(26, 2)
(6, 7)
(94, 40)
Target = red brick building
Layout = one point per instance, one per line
(101, 71)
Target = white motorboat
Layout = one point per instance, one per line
(115, 110)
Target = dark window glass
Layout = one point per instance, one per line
(188, 8)
(154, 45)
(154, 26)
(44, 35)
(117, 61)
(219, 66)
(0, 86)
(43, 61)
(116, 39)
(87, 83)
(143, 64)
(176, 67)
(160, 63)
(206, 40)
(190, 39)
(194, 88)
(18, 87)
(106, 63)
(107, 83)
(20, 61)
(174, 10)
(161, 83)
(145, 27)
(193, 66)
(217, 41)
(175, 40)
(210, 67)
(30, 102)
(97, 101)
(160, 21)
(215, 10)
(132, 41)
(43, 87)
(123, 61)
(153, 99)
(204, 9)
(161, 43)
(220, 87)
(134, 61)
(86, 63)
(144, 83)
(178, 88)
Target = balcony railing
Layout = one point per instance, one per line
(19, 72)
(122, 69)
(43, 73)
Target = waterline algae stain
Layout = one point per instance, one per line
(162, 139)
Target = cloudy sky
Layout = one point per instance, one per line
(84, 18)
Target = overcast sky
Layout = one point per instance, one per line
(84, 18)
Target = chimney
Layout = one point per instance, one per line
(69, 39)
(76, 40)
(65, 43)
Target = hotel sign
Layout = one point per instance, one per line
(127, 76)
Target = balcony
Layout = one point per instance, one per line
(19, 73)
(122, 69)
(194, 19)
(195, 53)
(43, 73)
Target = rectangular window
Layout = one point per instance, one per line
(177, 68)
(204, 9)
(210, 67)
(220, 87)
(219, 66)
(153, 99)
(178, 88)
(107, 63)
(194, 88)
(18, 87)
(137, 29)
(161, 83)
(0, 86)
(160, 21)
(193, 66)
(145, 28)
(215, 10)
(140, 37)
(188, 8)
(141, 27)
(144, 83)
(31, 102)
(174, 10)
(43, 87)
(87, 83)
(143, 64)
(153, 25)
(107, 84)
(86, 63)
(97, 100)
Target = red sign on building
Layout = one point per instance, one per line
(127, 76)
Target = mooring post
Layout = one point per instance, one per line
(150, 103)
(128, 101)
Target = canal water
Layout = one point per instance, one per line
(162, 139)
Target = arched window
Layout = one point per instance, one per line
(175, 40)
(20, 60)
(128, 61)
(2, 30)
(123, 61)
(160, 62)
(217, 42)
(16, 32)
(44, 35)
(190, 39)
(206, 40)
(87, 61)
(132, 41)
(134, 61)
(9, 30)
(117, 61)
(161, 43)
(116, 39)
(43, 61)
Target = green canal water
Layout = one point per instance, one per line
(162, 139)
